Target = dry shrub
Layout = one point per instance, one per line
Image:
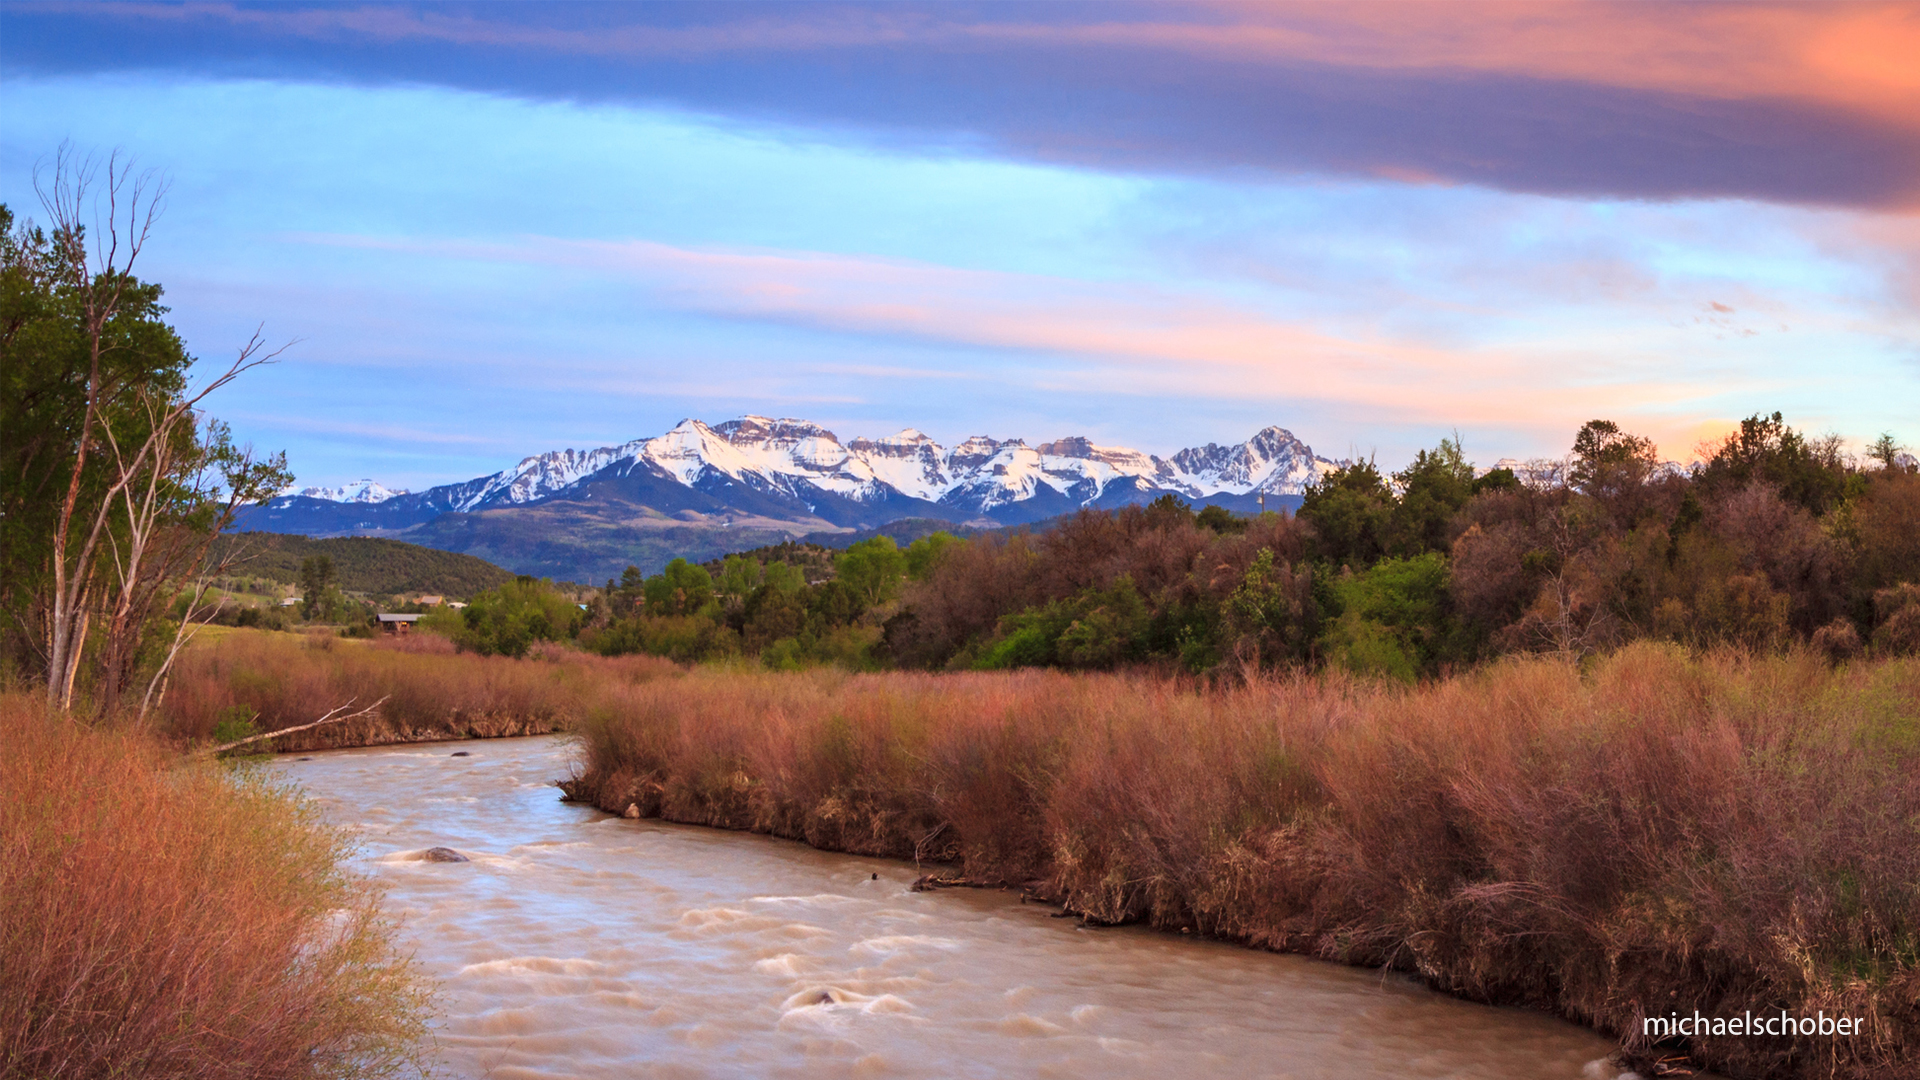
(164, 919)
(1662, 832)
(432, 692)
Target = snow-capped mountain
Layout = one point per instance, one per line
(702, 489)
(360, 491)
(799, 459)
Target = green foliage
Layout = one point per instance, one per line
(924, 554)
(507, 621)
(739, 576)
(1607, 459)
(1096, 628)
(1809, 474)
(318, 597)
(1351, 511)
(1394, 619)
(1220, 520)
(873, 569)
(786, 578)
(1271, 615)
(1432, 490)
(234, 723)
(681, 589)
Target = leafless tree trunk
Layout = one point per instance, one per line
(139, 476)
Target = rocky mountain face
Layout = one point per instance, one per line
(778, 478)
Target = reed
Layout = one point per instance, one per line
(160, 918)
(1660, 832)
(276, 681)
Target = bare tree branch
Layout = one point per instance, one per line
(330, 718)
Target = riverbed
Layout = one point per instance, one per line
(575, 944)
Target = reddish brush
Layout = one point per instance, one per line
(432, 692)
(160, 919)
(1660, 833)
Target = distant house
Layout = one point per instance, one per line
(397, 624)
(432, 601)
(290, 601)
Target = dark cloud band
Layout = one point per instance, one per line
(932, 76)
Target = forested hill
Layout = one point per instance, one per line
(368, 565)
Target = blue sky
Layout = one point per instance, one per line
(498, 230)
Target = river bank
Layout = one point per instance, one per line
(1661, 833)
(572, 944)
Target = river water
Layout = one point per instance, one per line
(575, 944)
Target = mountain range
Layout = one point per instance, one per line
(700, 490)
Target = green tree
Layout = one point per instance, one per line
(316, 587)
(681, 589)
(785, 577)
(873, 569)
(924, 554)
(1394, 619)
(1351, 511)
(1607, 459)
(113, 483)
(739, 576)
(1810, 474)
(507, 621)
(1432, 490)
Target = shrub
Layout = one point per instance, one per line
(164, 919)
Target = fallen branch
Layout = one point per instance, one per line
(330, 718)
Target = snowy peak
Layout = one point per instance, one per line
(359, 491)
(1272, 462)
(799, 459)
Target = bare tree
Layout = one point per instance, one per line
(140, 469)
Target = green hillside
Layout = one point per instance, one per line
(364, 564)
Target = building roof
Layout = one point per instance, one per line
(384, 617)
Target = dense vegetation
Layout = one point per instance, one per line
(362, 564)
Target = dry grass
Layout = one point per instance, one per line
(1660, 833)
(432, 692)
(159, 919)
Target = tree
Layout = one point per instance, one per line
(926, 553)
(681, 589)
(1350, 510)
(115, 483)
(1885, 451)
(1808, 473)
(316, 580)
(873, 569)
(1432, 491)
(1607, 460)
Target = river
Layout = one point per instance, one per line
(575, 944)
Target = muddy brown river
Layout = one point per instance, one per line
(575, 944)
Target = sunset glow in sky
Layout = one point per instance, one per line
(499, 229)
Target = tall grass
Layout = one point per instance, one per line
(159, 919)
(1659, 833)
(277, 681)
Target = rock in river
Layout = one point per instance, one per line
(443, 854)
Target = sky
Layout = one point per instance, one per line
(490, 230)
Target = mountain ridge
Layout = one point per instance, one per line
(779, 476)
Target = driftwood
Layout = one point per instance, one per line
(332, 717)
